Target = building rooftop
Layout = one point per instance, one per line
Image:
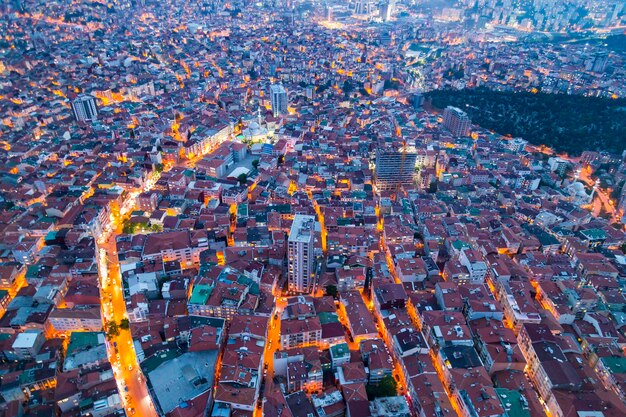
(26, 340)
(513, 402)
(302, 228)
(183, 378)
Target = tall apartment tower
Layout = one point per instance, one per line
(278, 95)
(600, 61)
(301, 253)
(394, 167)
(456, 121)
(362, 7)
(386, 10)
(84, 108)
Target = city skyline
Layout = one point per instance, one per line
(309, 208)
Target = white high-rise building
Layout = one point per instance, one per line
(301, 253)
(386, 10)
(84, 108)
(278, 95)
(363, 7)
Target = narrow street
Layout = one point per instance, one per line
(271, 346)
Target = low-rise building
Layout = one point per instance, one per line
(299, 333)
(67, 320)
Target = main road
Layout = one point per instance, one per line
(130, 380)
(122, 356)
(601, 199)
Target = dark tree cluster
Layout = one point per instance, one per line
(387, 387)
(566, 123)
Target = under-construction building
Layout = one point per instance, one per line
(394, 167)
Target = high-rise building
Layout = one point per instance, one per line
(597, 62)
(310, 92)
(456, 121)
(417, 100)
(386, 10)
(394, 167)
(363, 7)
(278, 95)
(301, 254)
(84, 108)
(600, 61)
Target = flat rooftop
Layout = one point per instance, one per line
(302, 228)
(26, 340)
(183, 378)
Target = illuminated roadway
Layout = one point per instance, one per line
(131, 383)
(273, 343)
(130, 380)
(601, 199)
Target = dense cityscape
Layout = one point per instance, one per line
(288, 208)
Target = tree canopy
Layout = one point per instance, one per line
(124, 324)
(385, 388)
(567, 123)
(331, 290)
(112, 329)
